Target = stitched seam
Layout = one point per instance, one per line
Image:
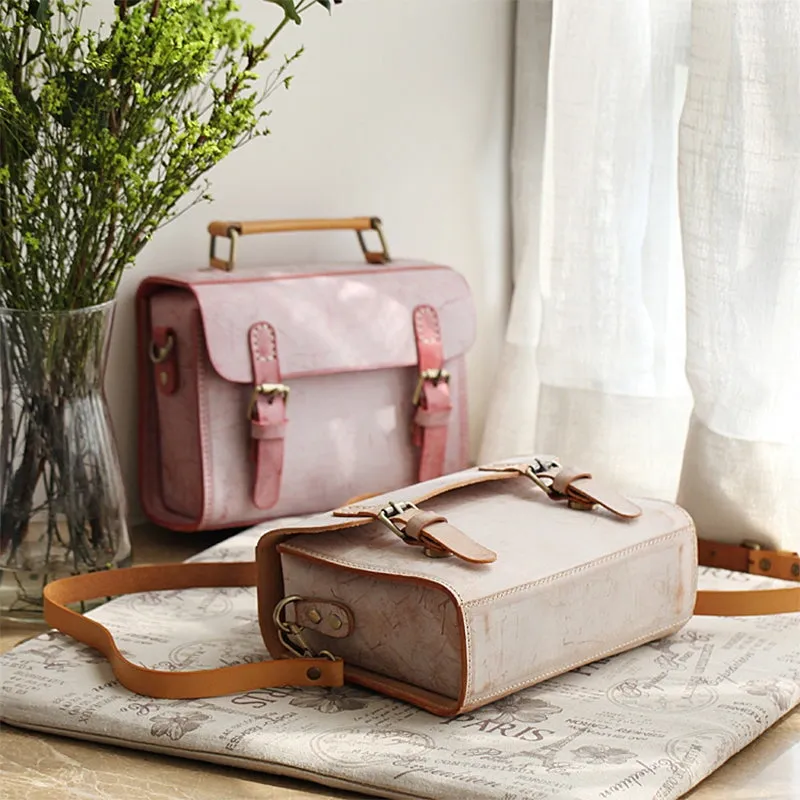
(423, 314)
(258, 353)
(362, 568)
(483, 601)
(566, 668)
(576, 570)
(427, 314)
(644, 637)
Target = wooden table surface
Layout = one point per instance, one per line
(36, 766)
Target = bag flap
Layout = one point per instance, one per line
(326, 322)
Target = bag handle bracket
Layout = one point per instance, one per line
(232, 230)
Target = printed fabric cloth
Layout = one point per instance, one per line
(652, 722)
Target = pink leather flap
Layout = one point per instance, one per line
(329, 321)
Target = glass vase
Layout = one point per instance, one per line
(62, 500)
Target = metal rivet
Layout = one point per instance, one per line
(335, 622)
(314, 616)
(314, 673)
(796, 570)
(765, 564)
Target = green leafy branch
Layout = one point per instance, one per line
(105, 135)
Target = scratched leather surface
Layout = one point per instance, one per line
(349, 428)
(411, 630)
(568, 586)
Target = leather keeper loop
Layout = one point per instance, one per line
(416, 525)
(566, 476)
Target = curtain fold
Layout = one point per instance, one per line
(740, 220)
(653, 334)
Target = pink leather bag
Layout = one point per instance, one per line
(267, 393)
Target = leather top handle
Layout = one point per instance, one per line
(234, 229)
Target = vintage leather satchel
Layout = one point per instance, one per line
(255, 385)
(448, 594)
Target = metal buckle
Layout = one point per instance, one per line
(287, 629)
(221, 263)
(371, 256)
(751, 545)
(538, 470)
(437, 376)
(269, 390)
(392, 510)
(159, 354)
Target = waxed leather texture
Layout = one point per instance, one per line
(567, 587)
(346, 347)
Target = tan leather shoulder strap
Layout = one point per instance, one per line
(176, 685)
(754, 561)
(748, 603)
(310, 671)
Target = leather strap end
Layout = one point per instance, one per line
(583, 488)
(435, 531)
(176, 685)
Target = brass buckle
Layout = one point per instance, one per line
(437, 376)
(269, 390)
(392, 510)
(159, 354)
(286, 629)
(371, 256)
(538, 471)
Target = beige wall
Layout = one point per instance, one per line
(399, 108)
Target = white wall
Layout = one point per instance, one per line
(399, 108)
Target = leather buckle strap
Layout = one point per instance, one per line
(437, 537)
(267, 415)
(749, 557)
(579, 489)
(432, 394)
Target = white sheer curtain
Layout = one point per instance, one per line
(654, 334)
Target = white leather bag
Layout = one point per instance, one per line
(448, 594)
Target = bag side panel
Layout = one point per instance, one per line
(406, 630)
(180, 435)
(605, 607)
